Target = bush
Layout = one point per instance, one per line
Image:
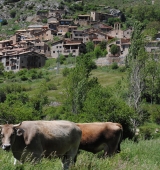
(65, 72)
(61, 59)
(51, 86)
(122, 69)
(44, 20)
(24, 78)
(4, 22)
(114, 49)
(114, 66)
(13, 13)
(149, 131)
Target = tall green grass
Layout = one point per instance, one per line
(144, 155)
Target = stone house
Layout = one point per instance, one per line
(6, 44)
(66, 22)
(77, 35)
(52, 25)
(44, 35)
(83, 35)
(32, 30)
(152, 46)
(123, 45)
(42, 48)
(102, 27)
(52, 19)
(66, 47)
(117, 32)
(83, 20)
(57, 13)
(36, 27)
(89, 35)
(99, 16)
(17, 59)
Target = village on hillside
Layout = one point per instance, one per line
(29, 48)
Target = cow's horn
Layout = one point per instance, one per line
(16, 125)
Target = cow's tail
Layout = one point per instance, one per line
(121, 138)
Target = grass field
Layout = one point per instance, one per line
(134, 156)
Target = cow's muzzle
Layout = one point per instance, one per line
(6, 147)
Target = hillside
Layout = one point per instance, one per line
(21, 13)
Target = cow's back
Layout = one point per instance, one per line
(51, 136)
(97, 136)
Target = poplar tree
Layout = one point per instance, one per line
(136, 61)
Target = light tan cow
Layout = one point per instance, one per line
(42, 138)
(100, 136)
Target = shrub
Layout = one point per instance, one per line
(51, 86)
(114, 66)
(4, 22)
(13, 13)
(122, 69)
(114, 49)
(65, 72)
(61, 59)
(148, 131)
(44, 20)
(24, 78)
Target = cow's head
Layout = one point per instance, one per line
(8, 134)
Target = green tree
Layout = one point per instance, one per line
(98, 52)
(136, 61)
(114, 49)
(77, 83)
(103, 45)
(1, 69)
(153, 24)
(89, 46)
(101, 105)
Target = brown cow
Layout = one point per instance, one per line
(100, 136)
(35, 139)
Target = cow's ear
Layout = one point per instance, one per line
(20, 132)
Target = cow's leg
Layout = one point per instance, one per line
(69, 158)
(75, 158)
(16, 161)
(111, 148)
(119, 148)
(65, 162)
(35, 152)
